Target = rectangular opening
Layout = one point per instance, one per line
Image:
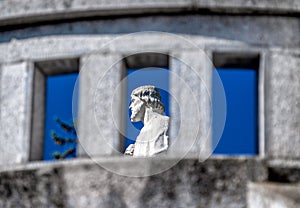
(53, 133)
(239, 75)
(144, 69)
(60, 138)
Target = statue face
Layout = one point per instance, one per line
(137, 108)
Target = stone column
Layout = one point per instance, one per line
(190, 76)
(16, 88)
(100, 75)
(282, 105)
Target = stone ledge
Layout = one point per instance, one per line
(36, 165)
(70, 47)
(217, 182)
(265, 195)
(29, 11)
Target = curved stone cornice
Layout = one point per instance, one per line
(14, 12)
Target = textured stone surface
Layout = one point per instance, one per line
(16, 83)
(214, 183)
(258, 30)
(100, 74)
(64, 47)
(272, 195)
(74, 39)
(282, 106)
(190, 81)
(32, 188)
(36, 10)
(41, 10)
(287, 171)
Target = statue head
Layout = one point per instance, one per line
(145, 97)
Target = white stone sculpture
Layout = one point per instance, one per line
(146, 106)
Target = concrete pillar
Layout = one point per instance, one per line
(282, 106)
(16, 88)
(190, 84)
(100, 75)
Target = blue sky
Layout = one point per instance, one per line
(59, 92)
(240, 132)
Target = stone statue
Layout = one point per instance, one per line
(146, 106)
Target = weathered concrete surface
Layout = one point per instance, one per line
(190, 80)
(99, 76)
(273, 195)
(258, 30)
(282, 105)
(29, 11)
(214, 183)
(32, 188)
(16, 81)
(66, 47)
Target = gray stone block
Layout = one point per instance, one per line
(16, 86)
(215, 183)
(282, 106)
(99, 77)
(62, 47)
(273, 195)
(190, 84)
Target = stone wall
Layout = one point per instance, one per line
(218, 182)
(40, 33)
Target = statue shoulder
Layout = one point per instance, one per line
(166, 118)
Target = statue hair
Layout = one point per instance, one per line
(151, 96)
